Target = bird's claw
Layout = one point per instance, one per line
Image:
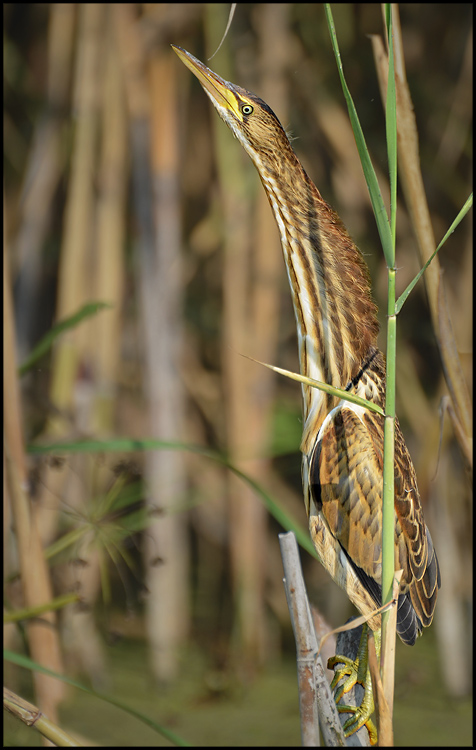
(349, 669)
(360, 717)
(351, 672)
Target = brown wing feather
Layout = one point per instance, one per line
(425, 580)
(346, 487)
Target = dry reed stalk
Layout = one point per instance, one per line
(452, 623)
(110, 238)
(73, 289)
(43, 175)
(35, 580)
(152, 111)
(168, 626)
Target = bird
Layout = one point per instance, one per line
(337, 328)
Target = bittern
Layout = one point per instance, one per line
(342, 444)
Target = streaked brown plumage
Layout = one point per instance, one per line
(342, 444)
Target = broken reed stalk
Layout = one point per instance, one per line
(316, 702)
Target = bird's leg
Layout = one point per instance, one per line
(352, 672)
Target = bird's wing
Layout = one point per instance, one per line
(345, 477)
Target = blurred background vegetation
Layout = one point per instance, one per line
(122, 186)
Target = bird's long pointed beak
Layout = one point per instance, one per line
(219, 90)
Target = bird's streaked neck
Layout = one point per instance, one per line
(335, 315)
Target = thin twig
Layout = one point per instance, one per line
(316, 702)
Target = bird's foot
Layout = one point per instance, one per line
(352, 672)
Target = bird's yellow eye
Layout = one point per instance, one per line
(247, 109)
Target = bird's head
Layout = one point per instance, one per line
(249, 117)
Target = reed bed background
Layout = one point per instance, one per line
(123, 188)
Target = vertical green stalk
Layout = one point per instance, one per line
(387, 236)
(388, 520)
